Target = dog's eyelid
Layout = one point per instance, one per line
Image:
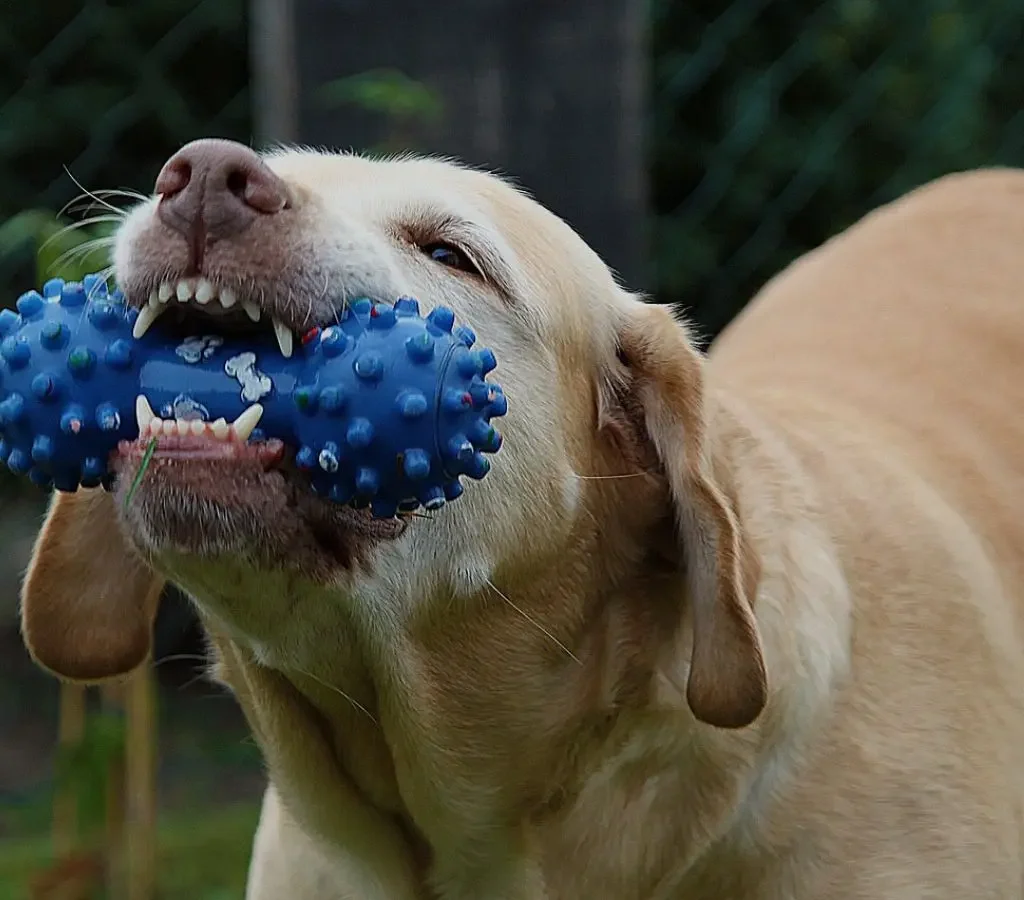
(469, 239)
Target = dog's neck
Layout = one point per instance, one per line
(488, 717)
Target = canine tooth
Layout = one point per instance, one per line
(247, 421)
(147, 316)
(198, 427)
(220, 429)
(251, 310)
(184, 426)
(170, 427)
(284, 338)
(184, 291)
(143, 414)
(228, 298)
(204, 291)
(165, 292)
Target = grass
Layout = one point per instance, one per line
(201, 855)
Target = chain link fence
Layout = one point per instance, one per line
(773, 124)
(777, 124)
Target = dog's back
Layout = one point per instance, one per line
(891, 363)
(910, 325)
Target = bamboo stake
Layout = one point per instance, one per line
(70, 729)
(140, 770)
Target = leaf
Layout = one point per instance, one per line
(387, 91)
(24, 228)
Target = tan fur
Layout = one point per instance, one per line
(743, 627)
(90, 601)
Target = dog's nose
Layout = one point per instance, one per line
(211, 189)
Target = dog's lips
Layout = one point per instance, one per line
(173, 470)
(208, 499)
(193, 447)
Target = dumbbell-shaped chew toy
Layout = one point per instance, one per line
(385, 408)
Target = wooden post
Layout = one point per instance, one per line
(113, 703)
(129, 845)
(551, 93)
(70, 729)
(140, 785)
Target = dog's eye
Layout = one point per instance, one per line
(450, 256)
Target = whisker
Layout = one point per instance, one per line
(535, 623)
(338, 313)
(86, 206)
(83, 249)
(194, 680)
(122, 192)
(89, 193)
(323, 293)
(340, 692)
(66, 208)
(610, 477)
(101, 280)
(75, 226)
(180, 657)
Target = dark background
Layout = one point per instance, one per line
(698, 145)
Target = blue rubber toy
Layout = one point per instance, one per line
(386, 409)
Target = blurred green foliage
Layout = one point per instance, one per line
(385, 91)
(83, 767)
(97, 91)
(58, 247)
(200, 857)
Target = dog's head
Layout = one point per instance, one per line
(606, 484)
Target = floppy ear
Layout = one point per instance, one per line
(663, 386)
(88, 600)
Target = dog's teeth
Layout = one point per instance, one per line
(165, 292)
(228, 298)
(246, 422)
(197, 427)
(184, 426)
(143, 414)
(204, 291)
(156, 427)
(284, 338)
(170, 427)
(154, 298)
(147, 316)
(220, 429)
(184, 290)
(251, 310)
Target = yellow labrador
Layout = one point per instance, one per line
(737, 627)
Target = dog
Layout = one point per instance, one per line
(743, 624)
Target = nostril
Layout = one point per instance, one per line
(238, 183)
(259, 188)
(174, 177)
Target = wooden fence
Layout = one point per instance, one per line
(121, 860)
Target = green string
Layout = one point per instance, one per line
(146, 457)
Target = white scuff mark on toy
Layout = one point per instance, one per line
(184, 407)
(193, 349)
(255, 385)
